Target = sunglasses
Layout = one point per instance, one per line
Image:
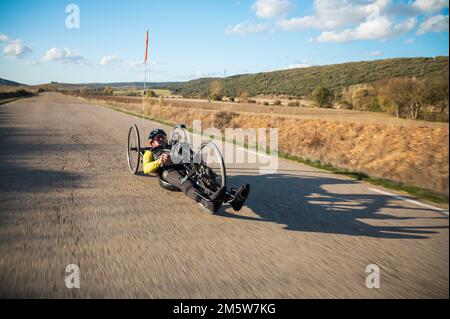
(159, 137)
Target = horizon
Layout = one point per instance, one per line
(247, 37)
(243, 74)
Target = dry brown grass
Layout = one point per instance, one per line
(416, 154)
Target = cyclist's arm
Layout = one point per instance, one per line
(150, 166)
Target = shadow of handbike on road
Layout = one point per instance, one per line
(303, 203)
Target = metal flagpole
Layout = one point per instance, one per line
(144, 98)
(145, 80)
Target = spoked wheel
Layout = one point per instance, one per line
(179, 134)
(211, 167)
(133, 150)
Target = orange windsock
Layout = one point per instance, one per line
(146, 48)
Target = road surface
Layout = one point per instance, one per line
(66, 197)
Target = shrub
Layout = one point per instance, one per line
(216, 90)
(322, 97)
(151, 93)
(360, 96)
(18, 93)
(277, 102)
(266, 103)
(132, 93)
(296, 103)
(223, 118)
(243, 97)
(374, 105)
(251, 101)
(407, 96)
(216, 97)
(344, 105)
(108, 91)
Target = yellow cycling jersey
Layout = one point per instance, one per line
(150, 165)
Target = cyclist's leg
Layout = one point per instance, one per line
(174, 177)
(240, 196)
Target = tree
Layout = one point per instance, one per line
(243, 97)
(361, 96)
(216, 90)
(407, 95)
(84, 91)
(151, 93)
(322, 97)
(108, 91)
(437, 93)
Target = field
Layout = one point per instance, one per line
(303, 112)
(140, 92)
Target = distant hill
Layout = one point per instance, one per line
(155, 85)
(294, 82)
(9, 83)
(301, 81)
(137, 85)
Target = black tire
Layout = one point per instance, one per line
(167, 185)
(133, 149)
(217, 166)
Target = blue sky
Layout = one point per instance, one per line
(192, 39)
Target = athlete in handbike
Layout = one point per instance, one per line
(157, 160)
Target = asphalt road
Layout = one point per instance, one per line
(66, 197)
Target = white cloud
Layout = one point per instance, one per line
(271, 9)
(14, 48)
(3, 38)
(301, 64)
(136, 65)
(246, 28)
(430, 6)
(330, 14)
(410, 41)
(200, 74)
(438, 23)
(375, 28)
(374, 53)
(346, 20)
(298, 24)
(140, 65)
(110, 60)
(65, 56)
(17, 49)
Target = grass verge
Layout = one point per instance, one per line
(412, 190)
(4, 101)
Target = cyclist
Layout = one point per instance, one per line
(154, 160)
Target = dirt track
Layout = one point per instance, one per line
(66, 197)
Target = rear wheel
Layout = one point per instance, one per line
(133, 150)
(211, 167)
(179, 134)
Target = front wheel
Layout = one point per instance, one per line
(133, 149)
(212, 167)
